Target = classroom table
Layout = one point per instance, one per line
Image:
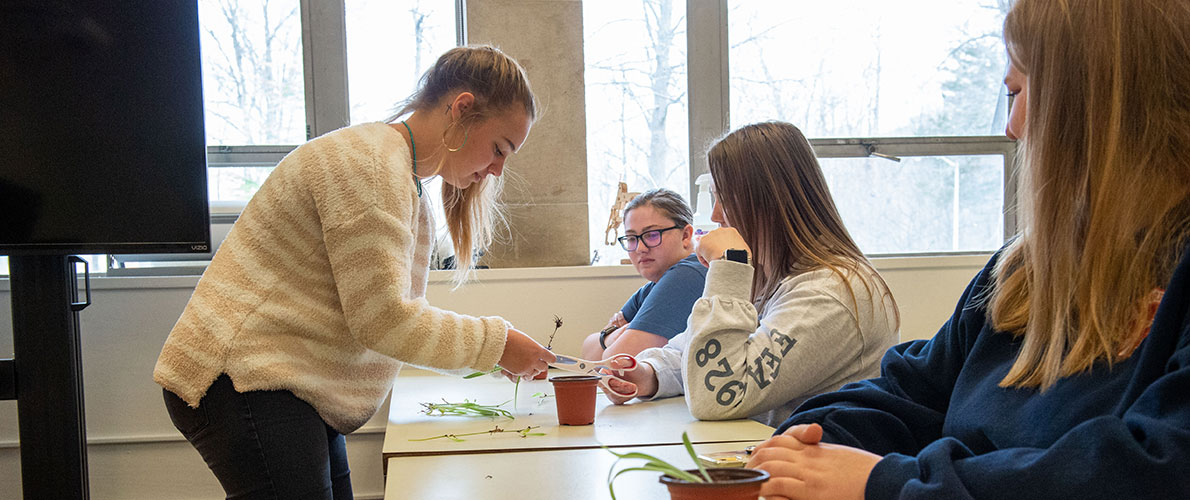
(577, 474)
(641, 423)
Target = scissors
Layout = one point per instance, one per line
(601, 369)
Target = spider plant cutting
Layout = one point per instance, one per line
(654, 464)
(467, 408)
(695, 484)
(458, 438)
(480, 374)
(557, 325)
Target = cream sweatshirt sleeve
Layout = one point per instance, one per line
(733, 363)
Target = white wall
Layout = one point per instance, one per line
(134, 452)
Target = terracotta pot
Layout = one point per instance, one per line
(575, 396)
(726, 484)
(542, 375)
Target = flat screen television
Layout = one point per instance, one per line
(102, 147)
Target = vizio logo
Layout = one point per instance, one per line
(199, 247)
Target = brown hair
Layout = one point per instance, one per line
(669, 203)
(498, 83)
(774, 193)
(1105, 178)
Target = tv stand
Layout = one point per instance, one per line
(48, 376)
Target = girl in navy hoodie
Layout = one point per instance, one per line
(1065, 369)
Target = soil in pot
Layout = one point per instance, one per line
(726, 484)
(575, 397)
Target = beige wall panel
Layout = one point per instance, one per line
(542, 235)
(550, 170)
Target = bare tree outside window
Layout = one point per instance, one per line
(390, 44)
(252, 72)
(636, 103)
(935, 70)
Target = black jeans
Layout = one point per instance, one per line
(264, 444)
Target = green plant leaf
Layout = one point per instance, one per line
(515, 389)
(694, 456)
(466, 408)
(652, 464)
(480, 374)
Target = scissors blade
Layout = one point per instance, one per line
(563, 359)
(573, 364)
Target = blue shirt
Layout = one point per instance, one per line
(662, 308)
(947, 430)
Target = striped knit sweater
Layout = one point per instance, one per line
(319, 287)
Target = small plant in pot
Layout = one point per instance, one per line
(694, 484)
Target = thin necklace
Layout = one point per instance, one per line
(413, 146)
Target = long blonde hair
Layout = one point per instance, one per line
(498, 83)
(1105, 186)
(774, 193)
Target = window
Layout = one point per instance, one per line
(637, 133)
(96, 263)
(252, 72)
(921, 204)
(923, 86)
(933, 70)
(905, 109)
(384, 69)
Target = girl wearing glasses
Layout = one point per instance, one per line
(659, 238)
(791, 307)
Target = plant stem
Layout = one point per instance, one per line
(515, 390)
(557, 325)
(480, 374)
(459, 437)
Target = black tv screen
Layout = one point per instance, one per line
(102, 147)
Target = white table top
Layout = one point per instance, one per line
(569, 474)
(648, 423)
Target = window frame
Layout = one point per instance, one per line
(710, 106)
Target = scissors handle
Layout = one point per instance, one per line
(606, 363)
(607, 387)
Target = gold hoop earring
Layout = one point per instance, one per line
(466, 132)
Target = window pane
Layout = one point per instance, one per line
(253, 86)
(389, 45)
(863, 68)
(97, 263)
(635, 56)
(921, 204)
(235, 183)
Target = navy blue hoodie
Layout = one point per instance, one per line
(947, 430)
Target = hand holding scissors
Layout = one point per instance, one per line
(607, 369)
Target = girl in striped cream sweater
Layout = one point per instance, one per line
(314, 301)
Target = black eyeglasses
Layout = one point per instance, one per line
(651, 239)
